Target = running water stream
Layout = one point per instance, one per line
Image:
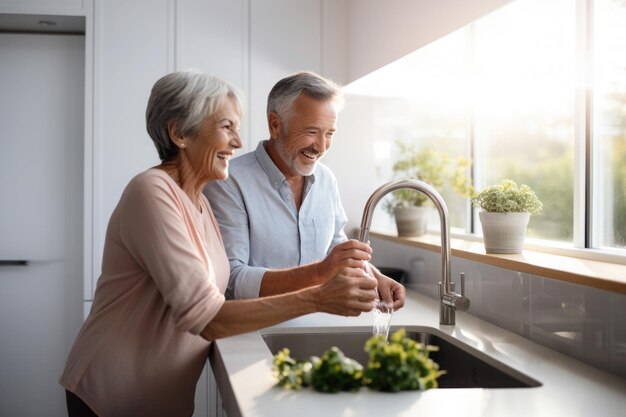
(382, 311)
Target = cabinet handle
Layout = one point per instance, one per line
(13, 262)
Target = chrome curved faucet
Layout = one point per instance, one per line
(449, 300)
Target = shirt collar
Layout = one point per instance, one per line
(274, 174)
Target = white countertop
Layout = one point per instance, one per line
(243, 370)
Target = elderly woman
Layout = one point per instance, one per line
(159, 301)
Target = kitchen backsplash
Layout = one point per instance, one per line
(582, 322)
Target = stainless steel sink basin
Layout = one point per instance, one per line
(466, 367)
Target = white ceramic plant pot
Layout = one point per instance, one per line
(412, 220)
(504, 232)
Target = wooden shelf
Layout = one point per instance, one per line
(602, 275)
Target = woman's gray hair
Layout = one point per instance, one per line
(186, 97)
(287, 90)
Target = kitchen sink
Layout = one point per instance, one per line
(466, 366)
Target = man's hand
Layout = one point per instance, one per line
(390, 290)
(350, 253)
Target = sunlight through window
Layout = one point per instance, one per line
(501, 92)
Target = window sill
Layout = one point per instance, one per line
(597, 274)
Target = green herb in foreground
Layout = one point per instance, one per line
(335, 372)
(402, 364)
(291, 373)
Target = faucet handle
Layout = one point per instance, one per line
(462, 303)
(462, 283)
(456, 301)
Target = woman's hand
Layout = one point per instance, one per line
(349, 293)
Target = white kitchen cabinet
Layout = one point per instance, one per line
(41, 97)
(250, 44)
(132, 49)
(212, 36)
(43, 7)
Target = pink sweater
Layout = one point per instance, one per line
(164, 272)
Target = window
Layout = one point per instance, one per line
(506, 92)
(609, 124)
(524, 106)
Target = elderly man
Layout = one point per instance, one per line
(280, 207)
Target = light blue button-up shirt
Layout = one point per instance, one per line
(261, 226)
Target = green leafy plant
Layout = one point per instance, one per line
(507, 197)
(335, 372)
(434, 167)
(402, 364)
(291, 373)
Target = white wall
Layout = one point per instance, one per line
(334, 59)
(352, 160)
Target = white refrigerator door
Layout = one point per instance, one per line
(41, 205)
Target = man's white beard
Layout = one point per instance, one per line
(294, 162)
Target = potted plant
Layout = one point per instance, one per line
(506, 209)
(410, 208)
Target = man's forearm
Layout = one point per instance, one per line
(349, 254)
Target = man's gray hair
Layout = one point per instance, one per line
(287, 90)
(186, 97)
